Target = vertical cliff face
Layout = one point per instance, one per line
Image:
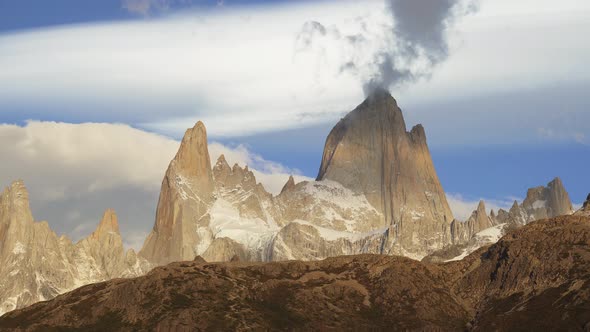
(370, 152)
(185, 197)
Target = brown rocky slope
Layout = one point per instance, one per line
(535, 277)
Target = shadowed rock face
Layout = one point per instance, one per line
(535, 278)
(370, 152)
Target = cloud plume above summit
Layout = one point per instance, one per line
(403, 44)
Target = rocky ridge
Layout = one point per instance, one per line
(536, 277)
(37, 265)
(481, 229)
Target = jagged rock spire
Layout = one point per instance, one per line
(187, 191)
(288, 185)
(370, 152)
(546, 202)
(109, 224)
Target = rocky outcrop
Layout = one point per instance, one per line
(370, 152)
(536, 278)
(37, 265)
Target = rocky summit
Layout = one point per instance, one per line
(534, 278)
(370, 152)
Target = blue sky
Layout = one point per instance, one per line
(506, 110)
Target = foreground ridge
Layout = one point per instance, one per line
(537, 276)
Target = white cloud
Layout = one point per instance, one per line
(462, 208)
(135, 240)
(75, 171)
(238, 69)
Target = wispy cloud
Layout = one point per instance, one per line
(241, 69)
(561, 134)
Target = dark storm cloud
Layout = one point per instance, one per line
(420, 30)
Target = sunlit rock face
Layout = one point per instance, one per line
(186, 195)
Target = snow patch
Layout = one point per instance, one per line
(204, 240)
(333, 235)
(539, 204)
(337, 194)
(464, 254)
(485, 237)
(185, 189)
(492, 234)
(253, 233)
(416, 215)
(19, 248)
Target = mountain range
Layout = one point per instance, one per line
(377, 192)
(535, 278)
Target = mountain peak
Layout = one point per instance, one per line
(222, 164)
(15, 198)
(381, 94)
(550, 201)
(556, 182)
(290, 184)
(221, 159)
(370, 151)
(17, 190)
(108, 224)
(192, 157)
(481, 207)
